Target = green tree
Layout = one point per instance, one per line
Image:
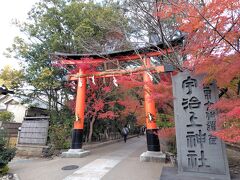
(63, 26)
(11, 78)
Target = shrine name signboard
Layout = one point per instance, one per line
(199, 153)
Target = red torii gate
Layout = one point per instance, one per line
(116, 57)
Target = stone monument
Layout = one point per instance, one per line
(200, 155)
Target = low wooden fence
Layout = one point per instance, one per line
(11, 129)
(110, 136)
(101, 137)
(34, 130)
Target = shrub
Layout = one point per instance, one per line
(6, 154)
(164, 121)
(167, 139)
(60, 136)
(4, 170)
(6, 116)
(166, 133)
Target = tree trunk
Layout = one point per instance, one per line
(86, 139)
(106, 133)
(91, 128)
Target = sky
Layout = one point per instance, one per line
(10, 10)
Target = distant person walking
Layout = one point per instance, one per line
(138, 131)
(125, 132)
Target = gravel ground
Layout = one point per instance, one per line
(9, 177)
(234, 163)
(233, 160)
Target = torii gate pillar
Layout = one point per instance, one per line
(153, 146)
(150, 111)
(77, 133)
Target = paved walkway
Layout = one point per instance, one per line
(119, 161)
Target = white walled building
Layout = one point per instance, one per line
(14, 105)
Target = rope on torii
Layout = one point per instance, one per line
(115, 81)
(114, 73)
(93, 80)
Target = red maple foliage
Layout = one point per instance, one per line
(212, 31)
(134, 107)
(166, 133)
(102, 98)
(99, 104)
(132, 89)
